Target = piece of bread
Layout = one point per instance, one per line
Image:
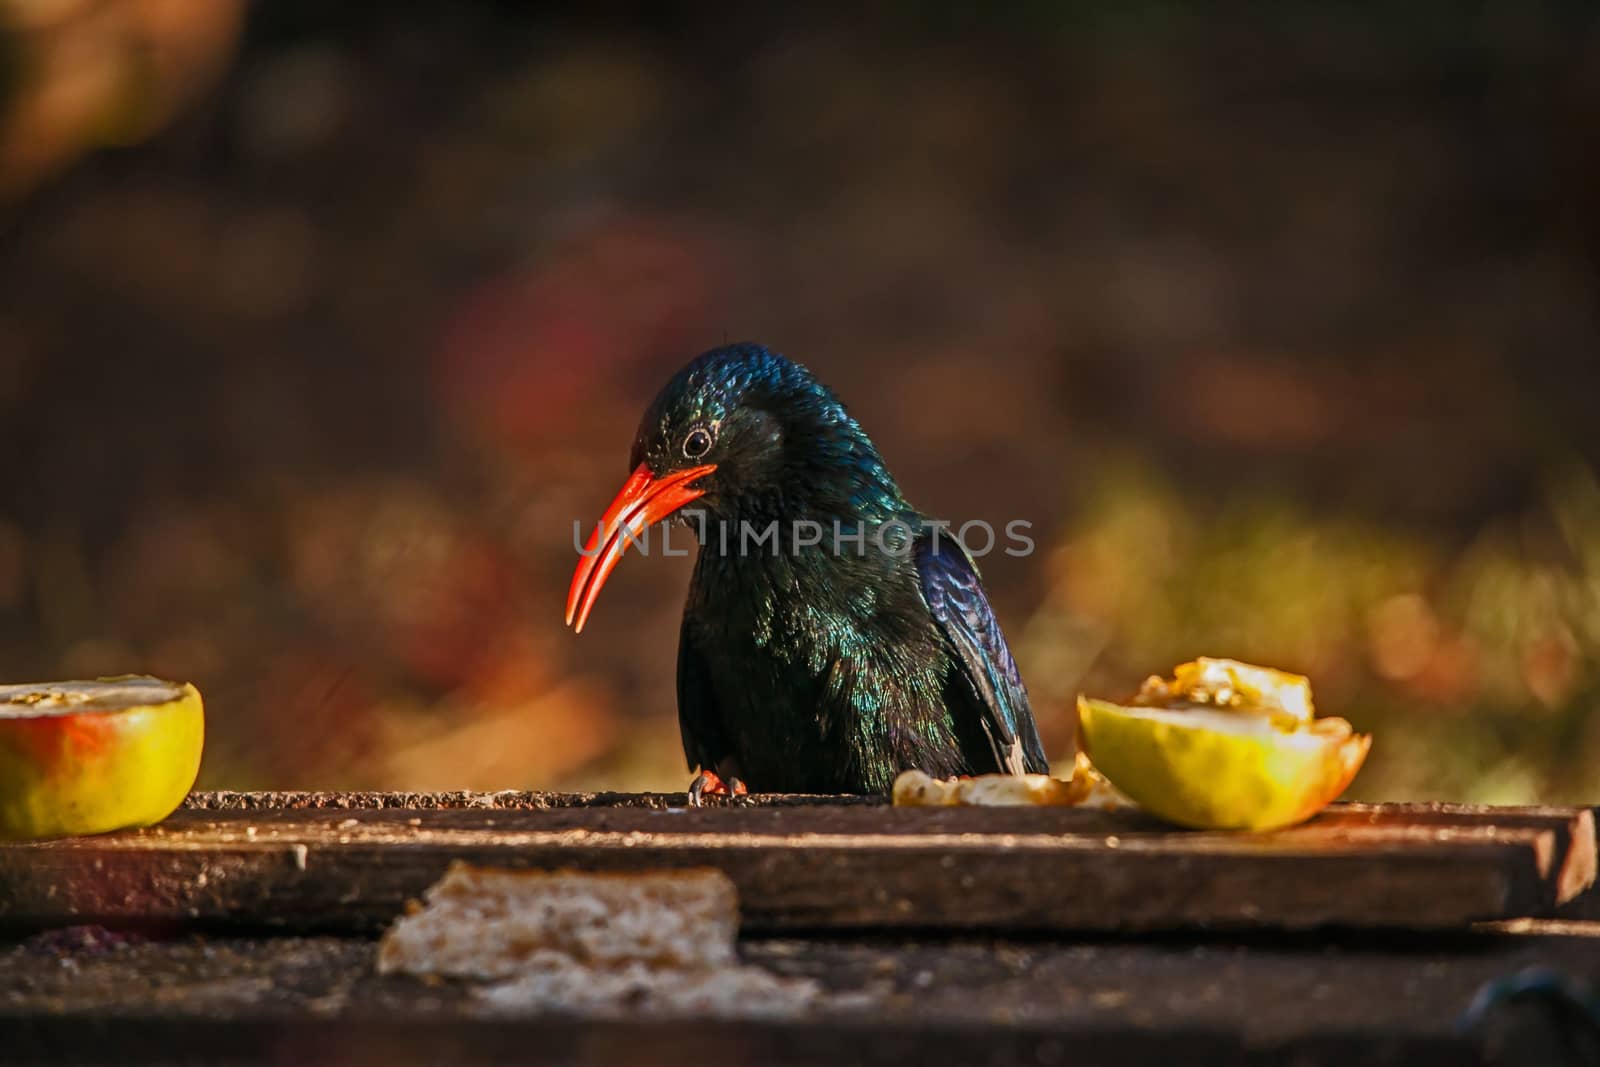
(596, 945)
(919, 790)
(1086, 788)
(636, 990)
(487, 923)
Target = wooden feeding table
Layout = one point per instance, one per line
(243, 930)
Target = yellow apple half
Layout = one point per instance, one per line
(1221, 770)
(87, 757)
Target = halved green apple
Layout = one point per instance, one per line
(85, 757)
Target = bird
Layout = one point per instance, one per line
(825, 667)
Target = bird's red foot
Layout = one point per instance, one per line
(709, 782)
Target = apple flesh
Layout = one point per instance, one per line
(1223, 746)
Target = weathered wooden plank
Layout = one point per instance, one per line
(1573, 859)
(297, 1000)
(692, 1043)
(89, 995)
(805, 865)
(1572, 862)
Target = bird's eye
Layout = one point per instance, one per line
(698, 443)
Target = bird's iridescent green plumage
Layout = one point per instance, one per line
(828, 667)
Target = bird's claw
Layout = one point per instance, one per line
(709, 782)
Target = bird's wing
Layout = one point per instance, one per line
(704, 742)
(955, 596)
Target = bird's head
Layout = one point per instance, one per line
(746, 435)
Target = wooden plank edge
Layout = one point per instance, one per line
(1574, 859)
(500, 800)
(360, 886)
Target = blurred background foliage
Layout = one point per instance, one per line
(320, 325)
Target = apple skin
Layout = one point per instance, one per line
(1187, 772)
(88, 771)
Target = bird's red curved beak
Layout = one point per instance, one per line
(643, 501)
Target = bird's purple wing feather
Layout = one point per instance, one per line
(955, 596)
